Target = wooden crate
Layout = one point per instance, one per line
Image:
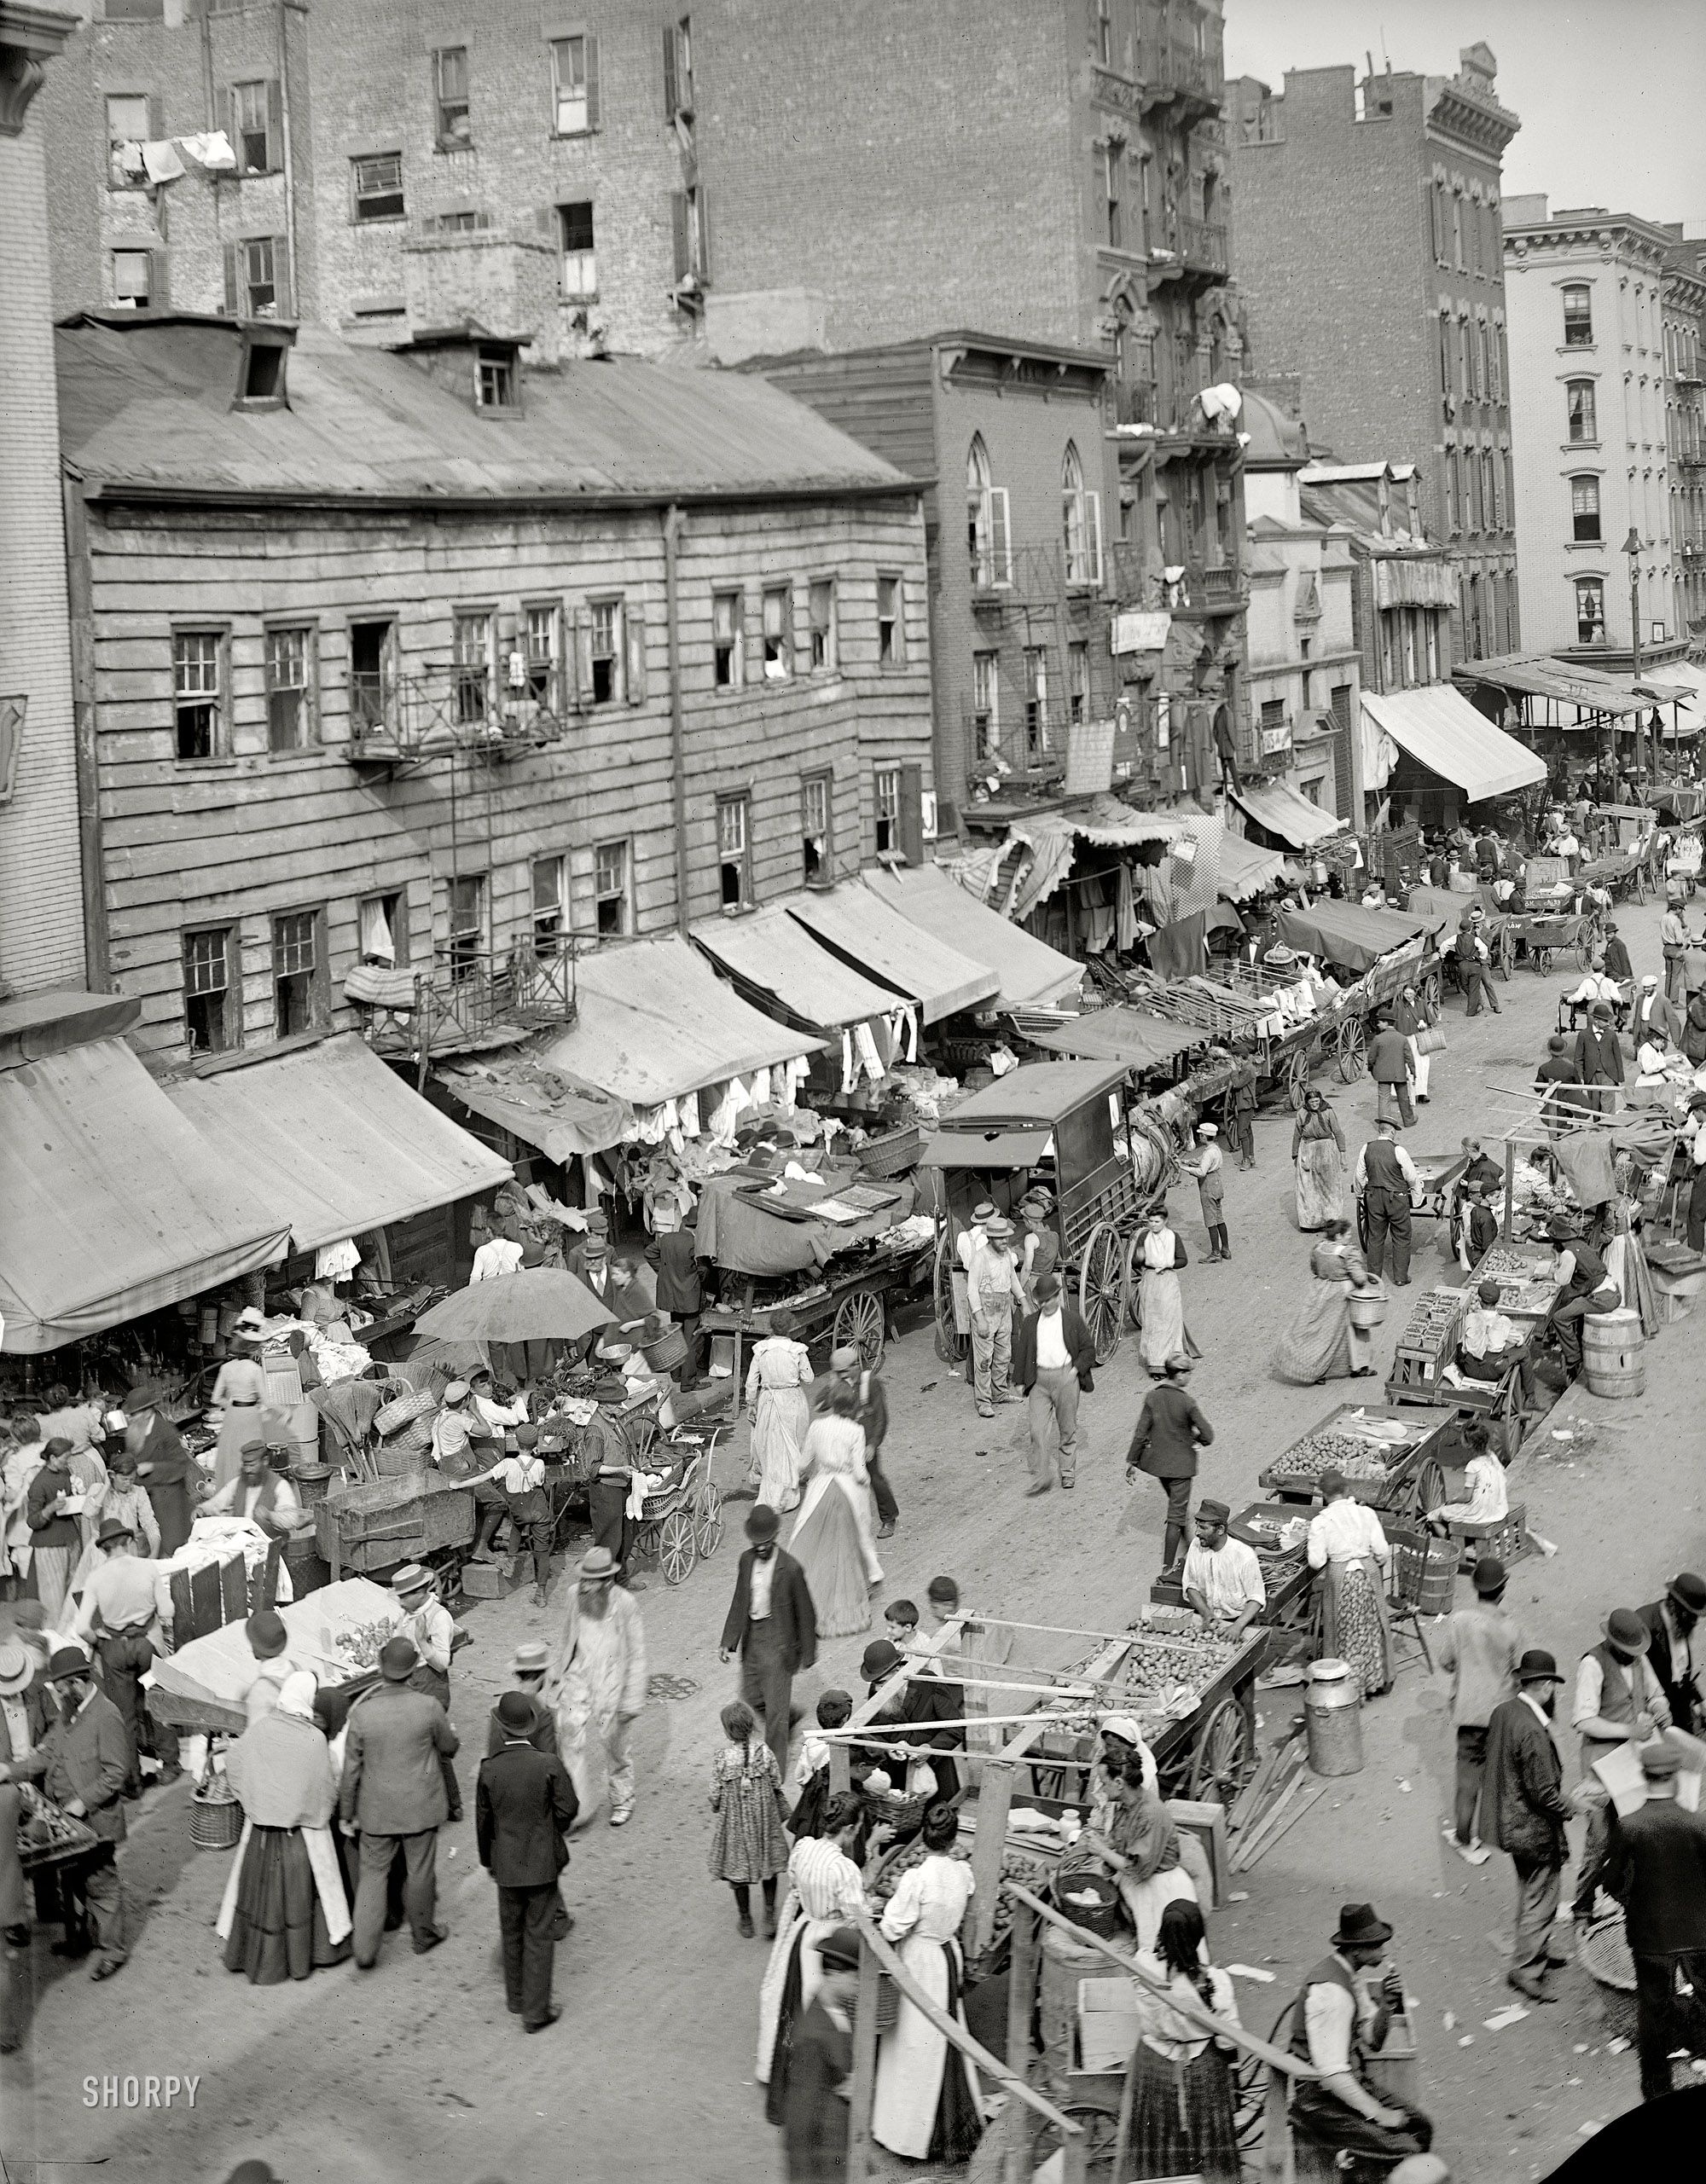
(1508, 1540)
(371, 1525)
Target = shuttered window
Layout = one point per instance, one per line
(574, 84)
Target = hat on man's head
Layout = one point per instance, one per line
(1659, 1759)
(1179, 1362)
(411, 1579)
(762, 1522)
(457, 1391)
(1047, 1288)
(998, 1229)
(944, 1591)
(598, 1224)
(17, 1669)
(594, 1248)
(1219, 1512)
(1560, 1230)
(1488, 1577)
(1623, 1627)
(398, 1659)
(984, 1210)
(266, 1634)
(844, 1358)
(598, 1563)
(251, 1322)
(1688, 1591)
(882, 1656)
(515, 1713)
(1651, 980)
(68, 1661)
(1557, 1044)
(1207, 1129)
(112, 1531)
(1537, 1667)
(530, 1657)
(1601, 1012)
(1361, 1926)
(839, 1949)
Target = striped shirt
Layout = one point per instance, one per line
(825, 1879)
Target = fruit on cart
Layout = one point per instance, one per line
(1329, 1449)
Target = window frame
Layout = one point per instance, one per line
(241, 131)
(315, 990)
(1034, 669)
(587, 256)
(824, 657)
(231, 1005)
(498, 380)
(740, 858)
(247, 244)
(1578, 327)
(1080, 523)
(451, 139)
(729, 645)
(544, 678)
(121, 301)
(588, 98)
(886, 801)
(613, 605)
(464, 669)
(781, 599)
(548, 924)
(363, 721)
(1077, 680)
(396, 919)
(361, 197)
(1113, 203)
(116, 179)
(622, 894)
(1589, 409)
(307, 692)
(818, 862)
(892, 648)
(986, 682)
(463, 959)
(217, 701)
(1593, 585)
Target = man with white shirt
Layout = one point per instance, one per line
(427, 1623)
(1597, 987)
(1675, 940)
(1489, 1343)
(1337, 2023)
(1618, 1700)
(1653, 1017)
(501, 1256)
(1053, 1360)
(1223, 1579)
(125, 1600)
(501, 1417)
(1526, 1810)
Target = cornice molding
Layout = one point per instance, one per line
(30, 36)
(1608, 239)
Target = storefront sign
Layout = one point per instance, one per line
(1137, 631)
(1275, 740)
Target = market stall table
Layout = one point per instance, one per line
(1390, 1461)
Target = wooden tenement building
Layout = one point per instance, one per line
(409, 660)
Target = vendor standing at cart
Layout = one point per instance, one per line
(1676, 941)
(680, 1292)
(1208, 1167)
(1223, 1579)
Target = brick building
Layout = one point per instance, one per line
(404, 660)
(42, 937)
(1370, 254)
(1685, 373)
(1597, 436)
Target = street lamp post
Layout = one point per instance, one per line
(1631, 547)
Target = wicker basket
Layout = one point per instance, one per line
(891, 1153)
(407, 1450)
(215, 1817)
(1604, 1949)
(670, 1350)
(402, 1409)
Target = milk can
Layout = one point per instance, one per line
(1333, 1711)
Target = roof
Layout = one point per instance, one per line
(863, 929)
(1033, 975)
(1688, 679)
(149, 409)
(1036, 1092)
(335, 1140)
(1443, 731)
(989, 1149)
(772, 953)
(654, 1022)
(1280, 809)
(1053, 838)
(1346, 934)
(112, 1202)
(1276, 441)
(561, 1114)
(1246, 869)
(1121, 1034)
(1538, 674)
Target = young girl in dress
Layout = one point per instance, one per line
(748, 1843)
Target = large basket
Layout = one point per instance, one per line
(402, 1409)
(1604, 1949)
(216, 1818)
(892, 1153)
(667, 1352)
(1367, 1308)
(404, 1457)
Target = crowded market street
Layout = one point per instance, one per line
(650, 2075)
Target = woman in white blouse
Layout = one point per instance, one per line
(776, 1384)
(1347, 1544)
(1182, 2095)
(825, 1890)
(926, 2105)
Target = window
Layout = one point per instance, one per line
(550, 906)
(1457, 250)
(1465, 360)
(822, 609)
(252, 111)
(1583, 424)
(289, 688)
(496, 389)
(1437, 220)
(1407, 624)
(1474, 624)
(198, 691)
(1035, 701)
(604, 658)
(734, 853)
(1471, 491)
(1495, 364)
(611, 864)
(129, 125)
(373, 677)
(678, 83)
(468, 220)
(1113, 163)
(382, 928)
(467, 926)
(450, 97)
(294, 961)
(1578, 316)
(817, 831)
(260, 276)
(213, 1016)
(263, 381)
(989, 535)
(1081, 522)
(1105, 32)
(1489, 491)
(725, 639)
(574, 84)
(890, 633)
(1445, 354)
(580, 259)
(778, 625)
(133, 278)
(886, 797)
(471, 669)
(690, 232)
(1273, 720)
(1480, 339)
(1477, 236)
(377, 182)
(1431, 635)
(1590, 609)
(1078, 682)
(986, 702)
(542, 658)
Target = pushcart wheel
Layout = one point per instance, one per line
(951, 1345)
(1101, 1289)
(1505, 956)
(1297, 1078)
(708, 1519)
(1430, 1488)
(1362, 1221)
(1100, 2128)
(1584, 953)
(676, 1548)
(1432, 986)
(644, 1545)
(1221, 1757)
(1541, 959)
(1353, 1050)
(859, 1326)
(1132, 1293)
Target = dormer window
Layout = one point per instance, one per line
(261, 370)
(496, 386)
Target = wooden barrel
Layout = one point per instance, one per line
(1614, 1355)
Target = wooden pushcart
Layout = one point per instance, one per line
(1440, 1174)
(1403, 1472)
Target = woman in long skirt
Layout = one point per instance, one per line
(1322, 1343)
(748, 1843)
(1347, 1546)
(284, 1909)
(833, 1540)
(1139, 1848)
(1318, 1156)
(1162, 1334)
(926, 2105)
(1182, 2120)
(825, 1889)
(776, 1384)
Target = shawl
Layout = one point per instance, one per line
(1158, 1251)
(281, 1769)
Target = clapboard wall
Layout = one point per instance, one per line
(234, 841)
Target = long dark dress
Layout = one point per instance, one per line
(278, 1932)
(170, 1470)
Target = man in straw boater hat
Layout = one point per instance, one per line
(26, 1714)
(1526, 1809)
(993, 1287)
(1339, 2019)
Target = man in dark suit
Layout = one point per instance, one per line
(1678, 1652)
(83, 1763)
(394, 1794)
(1597, 1056)
(525, 1805)
(27, 1714)
(814, 2108)
(1523, 1809)
(1656, 1867)
(679, 1291)
(772, 1626)
(1053, 1360)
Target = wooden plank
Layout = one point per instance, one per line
(1022, 1975)
(994, 1802)
(864, 2088)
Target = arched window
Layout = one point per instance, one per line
(1080, 514)
(988, 536)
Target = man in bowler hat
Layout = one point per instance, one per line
(1525, 1810)
(772, 1626)
(525, 1805)
(1338, 2020)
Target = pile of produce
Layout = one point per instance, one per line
(1502, 1266)
(43, 1829)
(1333, 1449)
(1166, 1671)
(358, 1645)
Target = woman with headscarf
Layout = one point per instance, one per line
(1318, 1157)
(926, 2105)
(166, 1470)
(832, 1539)
(284, 1910)
(1411, 1017)
(1161, 1335)
(825, 1890)
(1181, 2093)
(776, 1384)
(1347, 1546)
(1139, 1847)
(1323, 1342)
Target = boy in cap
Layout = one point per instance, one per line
(1169, 1430)
(1656, 1870)
(515, 1488)
(1479, 1650)
(1210, 1169)
(1525, 1812)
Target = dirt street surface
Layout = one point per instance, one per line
(414, 2071)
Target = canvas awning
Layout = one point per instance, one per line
(655, 1021)
(1687, 681)
(1033, 975)
(1121, 1034)
(1443, 731)
(112, 1202)
(865, 932)
(335, 1140)
(543, 1107)
(1538, 674)
(1346, 934)
(1053, 838)
(989, 1149)
(1282, 811)
(775, 956)
(1246, 869)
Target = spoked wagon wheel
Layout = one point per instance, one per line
(1101, 2127)
(1101, 1288)
(1297, 1078)
(1431, 986)
(645, 1547)
(1584, 952)
(859, 1326)
(1221, 1757)
(642, 1439)
(1505, 954)
(708, 1519)
(951, 1345)
(1353, 1050)
(1542, 958)
(1362, 1221)
(1430, 1487)
(1132, 1293)
(676, 1552)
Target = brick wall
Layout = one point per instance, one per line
(41, 894)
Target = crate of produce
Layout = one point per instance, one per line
(373, 1524)
(1429, 1343)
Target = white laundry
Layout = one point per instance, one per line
(161, 162)
(212, 148)
(334, 1262)
(870, 1061)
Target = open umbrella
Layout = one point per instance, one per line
(536, 1304)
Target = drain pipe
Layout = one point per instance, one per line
(678, 732)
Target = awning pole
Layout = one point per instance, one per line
(678, 733)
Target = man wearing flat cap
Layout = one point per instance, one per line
(1656, 1867)
(772, 1625)
(1525, 1808)
(1338, 2020)
(1223, 1579)
(1618, 1700)
(392, 1795)
(1678, 1652)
